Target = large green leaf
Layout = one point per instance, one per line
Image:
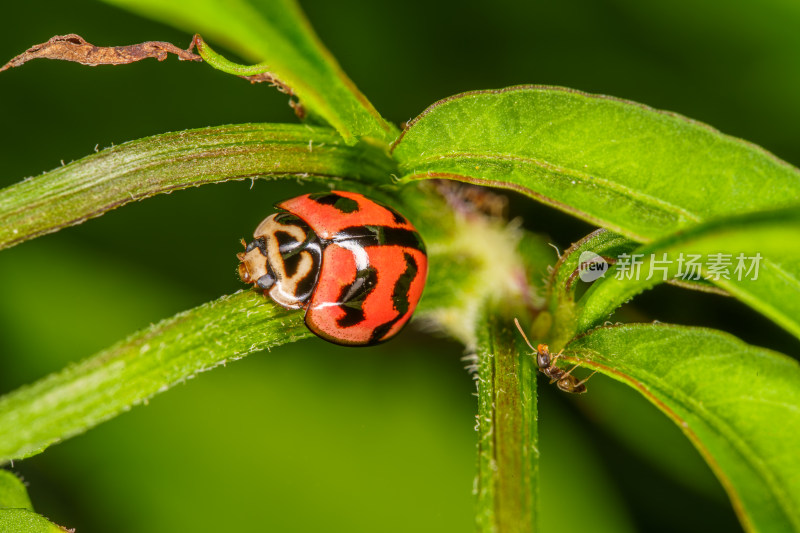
(640, 172)
(139, 169)
(738, 404)
(277, 33)
(775, 292)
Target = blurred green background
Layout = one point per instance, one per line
(311, 436)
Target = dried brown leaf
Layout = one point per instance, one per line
(75, 48)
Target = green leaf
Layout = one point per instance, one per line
(25, 521)
(277, 33)
(13, 494)
(772, 234)
(640, 172)
(508, 456)
(139, 169)
(132, 371)
(16, 511)
(735, 402)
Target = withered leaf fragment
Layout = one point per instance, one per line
(75, 48)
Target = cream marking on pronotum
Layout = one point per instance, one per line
(285, 288)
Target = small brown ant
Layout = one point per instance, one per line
(563, 379)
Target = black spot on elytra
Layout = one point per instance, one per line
(398, 218)
(351, 298)
(345, 205)
(399, 298)
(381, 236)
(403, 285)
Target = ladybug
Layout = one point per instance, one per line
(356, 266)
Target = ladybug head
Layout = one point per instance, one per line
(283, 260)
(253, 263)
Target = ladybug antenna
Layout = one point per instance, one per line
(523, 335)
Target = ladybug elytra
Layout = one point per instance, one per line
(356, 266)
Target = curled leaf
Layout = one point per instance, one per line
(74, 48)
(258, 73)
(254, 73)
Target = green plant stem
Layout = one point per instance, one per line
(95, 184)
(508, 471)
(130, 372)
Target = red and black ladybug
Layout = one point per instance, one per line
(358, 267)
